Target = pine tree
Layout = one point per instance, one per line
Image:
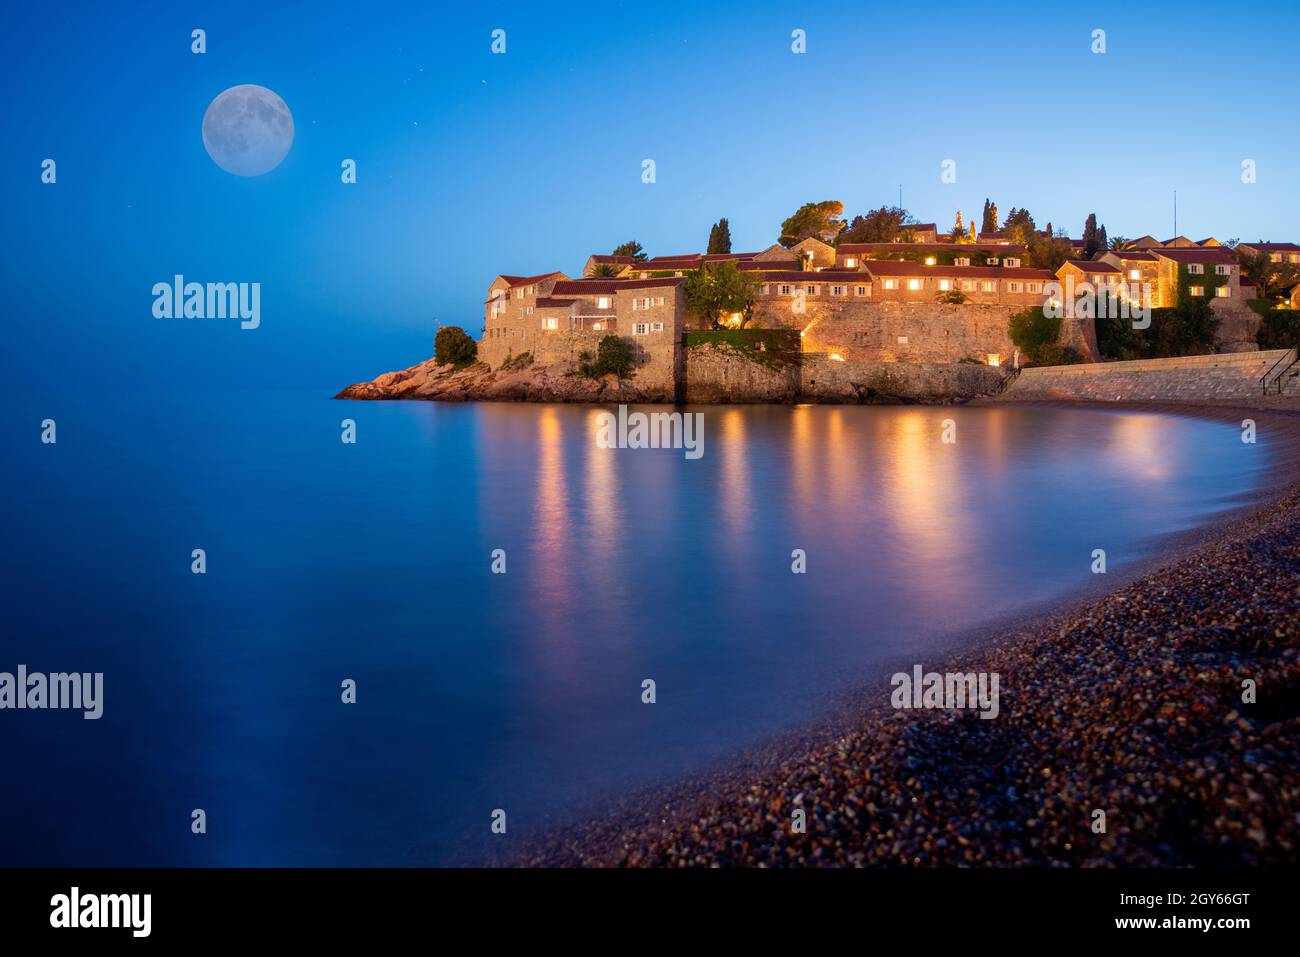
(720, 237)
(1090, 244)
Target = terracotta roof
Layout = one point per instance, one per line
(1274, 247)
(890, 267)
(590, 287)
(835, 277)
(1211, 255)
(1091, 265)
(919, 227)
(549, 302)
(1002, 249)
(614, 260)
(528, 280)
(1134, 256)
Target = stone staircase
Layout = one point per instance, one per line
(1218, 378)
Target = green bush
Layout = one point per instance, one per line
(521, 361)
(1036, 333)
(770, 347)
(451, 346)
(613, 356)
(1279, 328)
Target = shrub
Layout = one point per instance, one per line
(451, 346)
(521, 361)
(613, 356)
(1035, 333)
(1279, 328)
(953, 297)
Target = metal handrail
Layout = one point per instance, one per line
(1263, 380)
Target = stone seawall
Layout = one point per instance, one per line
(720, 374)
(914, 332)
(1225, 378)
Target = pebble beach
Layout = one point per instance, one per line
(1132, 704)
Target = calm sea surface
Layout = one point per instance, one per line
(520, 691)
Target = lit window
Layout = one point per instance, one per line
(850, 262)
(1195, 268)
(1196, 290)
(1135, 274)
(968, 284)
(1222, 292)
(945, 284)
(891, 283)
(914, 284)
(548, 324)
(929, 260)
(987, 286)
(963, 261)
(596, 326)
(602, 302)
(995, 359)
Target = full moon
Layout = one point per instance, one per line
(247, 130)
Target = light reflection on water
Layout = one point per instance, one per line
(520, 691)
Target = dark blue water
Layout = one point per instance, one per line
(520, 691)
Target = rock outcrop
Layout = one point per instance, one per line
(560, 382)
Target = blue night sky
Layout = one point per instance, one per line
(471, 164)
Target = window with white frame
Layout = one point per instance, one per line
(914, 283)
(891, 283)
(657, 327)
(860, 290)
(812, 290)
(851, 263)
(636, 304)
(1222, 292)
(549, 324)
(962, 261)
(1135, 274)
(1014, 287)
(1222, 270)
(945, 285)
(968, 285)
(602, 302)
(1012, 262)
(640, 328)
(1196, 290)
(785, 290)
(1195, 268)
(519, 293)
(1033, 287)
(528, 310)
(659, 301)
(987, 286)
(837, 290)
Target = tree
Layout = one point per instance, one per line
(1270, 279)
(452, 346)
(607, 270)
(720, 237)
(1091, 236)
(631, 248)
(718, 291)
(1047, 251)
(1035, 332)
(1103, 243)
(613, 357)
(1019, 226)
(1119, 243)
(883, 225)
(813, 220)
(990, 222)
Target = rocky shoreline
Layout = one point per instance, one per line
(714, 376)
(1129, 703)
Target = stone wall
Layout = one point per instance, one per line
(826, 380)
(1218, 378)
(717, 373)
(912, 332)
